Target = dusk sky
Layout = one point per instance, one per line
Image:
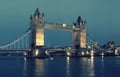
(102, 16)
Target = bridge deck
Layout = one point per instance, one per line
(59, 27)
(22, 50)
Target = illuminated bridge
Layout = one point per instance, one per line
(32, 40)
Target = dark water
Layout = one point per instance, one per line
(60, 67)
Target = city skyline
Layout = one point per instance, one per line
(102, 17)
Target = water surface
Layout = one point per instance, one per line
(16, 66)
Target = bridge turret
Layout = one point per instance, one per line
(37, 32)
(37, 18)
(37, 13)
(80, 23)
(79, 36)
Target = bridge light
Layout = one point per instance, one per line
(92, 53)
(46, 52)
(36, 52)
(102, 53)
(73, 26)
(64, 25)
(83, 53)
(68, 54)
(116, 52)
(87, 52)
(25, 54)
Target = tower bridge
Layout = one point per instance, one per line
(35, 35)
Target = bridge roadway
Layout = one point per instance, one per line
(57, 50)
(60, 27)
(7, 50)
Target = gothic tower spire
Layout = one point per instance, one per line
(37, 13)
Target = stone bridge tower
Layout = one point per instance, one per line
(37, 33)
(79, 36)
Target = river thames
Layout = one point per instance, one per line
(59, 66)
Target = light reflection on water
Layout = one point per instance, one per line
(90, 66)
(68, 67)
(60, 67)
(34, 68)
(78, 67)
(87, 65)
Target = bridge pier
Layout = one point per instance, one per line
(79, 36)
(36, 53)
(37, 35)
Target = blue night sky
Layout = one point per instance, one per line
(102, 16)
